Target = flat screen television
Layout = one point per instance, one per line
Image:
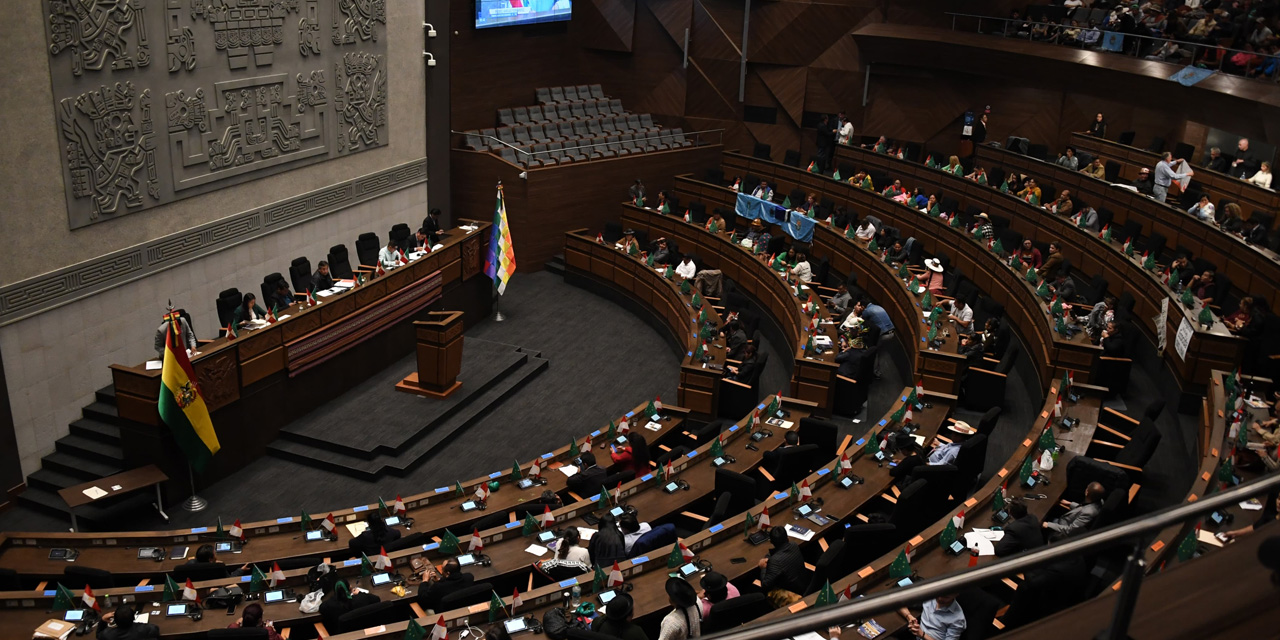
(510, 13)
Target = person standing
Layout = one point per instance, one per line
(1165, 175)
(826, 139)
(844, 128)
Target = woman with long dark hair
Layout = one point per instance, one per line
(1098, 128)
(632, 456)
(685, 619)
(608, 545)
(251, 618)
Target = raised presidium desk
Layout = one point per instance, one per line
(1206, 349)
(813, 377)
(702, 364)
(257, 382)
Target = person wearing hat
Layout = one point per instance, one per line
(850, 360)
(758, 235)
(685, 619)
(628, 240)
(661, 254)
(687, 269)
(983, 225)
(933, 277)
(616, 620)
(1144, 183)
(715, 589)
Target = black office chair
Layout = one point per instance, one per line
(95, 578)
(762, 151)
(1126, 137)
(745, 490)
(378, 613)
(403, 237)
(339, 262)
(300, 274)
(791, 158)
(793, 464)
(367, 248)
(268, 288)
(823, 434)
(735, 612)
(226, 304)
(475, 594)
(867, 541)
(987, 423)
(9, 580)
(199, 571)
(738, 397)
(828, 566)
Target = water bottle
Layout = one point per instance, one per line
(577, 596)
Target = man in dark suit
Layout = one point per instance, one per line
(1021, 532)
(1080, 517)
(1255, 232)
(772, 458)
(119, 625)
(206, 563)
(437, 587)
(588, 480)
(322, 279)
(339, 600)
(431, 224)
(825, 141)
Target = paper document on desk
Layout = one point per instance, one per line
(653, 426)
(568, 470)
(537, 550)
(1252, 504)
(800, 533)
(1208, 538)
(152, 365)
(919, 439)
(980, 542)
(586, 534)
(327, 292)
(822, 341)
(357, 528)
(94, 492)
(344, 284)
(54, 629)
(437, 247)
(811, 635)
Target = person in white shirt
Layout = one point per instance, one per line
(763, 191)
(1263, 177)
(687, 269)
(962, 314)
(851, 322)
(389, 256)
(845, 133)
(632, 529)
(569, 551)
(866, 231)
(802, 271)
(1203, 209)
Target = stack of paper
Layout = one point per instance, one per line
(94, 492)
(983, 541)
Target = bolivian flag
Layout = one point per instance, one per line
(182, 407)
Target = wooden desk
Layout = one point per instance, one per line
(1208, 350)
(307, 357)
(119, 484)
(813, 377)
(699, 388)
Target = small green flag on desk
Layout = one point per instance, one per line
(602, 502)
(1172, 277)
(826, 596)
(926, 303)
(685, 287)
(650, 409)
(257, 581)
(496, 608)
(172, 591)
(836, 175)
(414, 631)
(1206, 316)
(1033, 198)
(899, 414)
(676, 557)
(849, 232)
(1024, 473)
(696, 301)
(786, 202)
(633, 250)
(516, 472)
(613, 429)
(1056, 307)
(714, 227)
(872, 445)
(449, 544)
(574, 451)
(1149, 261)
(997, 501)
(717, 449)
(382, 506)
(670, 274)
(998, 247)
(1043, 290)
(1061, 327)
(949, 534)
(813, 167)
(1187, 548)
(901, 566)
(774, 405)
(305, 521)
(933, 334)
(649, 261)
(1004, 187)
(1128, 247)
(1047, 441)
(1015, 262)
(598, 579)
(934, 211)
(457, 489)
(530, 525)
(955, 220)
(366, 567)
(63, 600)
(666, 208)
(873, 246)
(1226, 470)
(1032, 277)
(748, 524)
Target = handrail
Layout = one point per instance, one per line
(862, 608)
(1193, 45)
(581, 146)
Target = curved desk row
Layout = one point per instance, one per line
(1252, 269)
(699, 389)
(1205, 349)
(1248, 195)
(813, 377)
(1029, 315)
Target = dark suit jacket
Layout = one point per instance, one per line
(1218, 164)
(850, 360)
(366, 544)
(1256, 235)
(430, 594)
(334, 607)
(239, 315)
(587, 482)
(433, 229)
(135, 631)
(321, 282)
(745, 371)
(1020, 535)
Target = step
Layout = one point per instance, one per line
(106, 395)
(76, 466)
(102, 412)
(401, 462)
(83, 447)
(95, 430)
(52, 480)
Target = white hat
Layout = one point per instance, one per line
(983, 216)
(934, 264)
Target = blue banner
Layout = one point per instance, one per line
(796, 224)
(1112, 41)
(1188, 76)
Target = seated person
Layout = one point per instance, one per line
(746, 368)
(893, 189)
(422, 240)
(783, 570)
(322, 279)
(632, 529)
(1270, 506)
(715, 588)
(758, 234)
(1063, 286)
(1100, 315)
(249, 311)
(1263, 177)
(1079, 518)
(375, 537)
(1030, 190)
(616, 621)
(1087, 218)
(809, 206)
(1203, 286)
(661, 254)
(1095, 169)
(662, 205)
(1112, 341)
(608, 545)
(954, 167)
(940, 619)
(930, 204)
(1181, 264)
(934, 278)
(438, 585)
(1231, 220)
(1203, 210)
(628, 242)
(282, 298)
(840, 301)
(1062, 205)
(687, 269)
(735, 338)
(984, 228)
(251, 618)
(389, 256)
(1144, 183)
(801, 270)
(1021, 532)
(1068, 159)
(206, 556)
(569, 552)
(1030, 255)
(1254, 232)
(961, 313)
(865, 232)
(763, 191)
(979, 175)
(186, 337)
(972, 346)
(684, 621)
(632, 456)
(120, 625)
(589, 478)
(769, 460)
(717, 219)
(1051, 264)
(338, 600)
(897, 253)
(1242, 316)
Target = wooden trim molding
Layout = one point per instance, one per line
(41, 293)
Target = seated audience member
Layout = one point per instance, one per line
(589, 478)
(985, 230)
(120, 625)
(1242, 317)
(801, 270)
(1052, 263)
(684, 621)
(930, 204)
(715, 219)
(1144, 183)
(1062, 205)
(616, 621)
(451, 579)
(662, 206)
(608, 545)
(893, 189)
(1095, 169)
(1112, 341)
(918, 200)
(972, 347)
(990, 335)
(632, 456)
(628, 243)
(206, 556)
(1231, 220)
(1021, 532)
(979, 175)
(1069, 160)
(339, 600)
(866, 231)
(1063, 286)
(839, 302)
(772, 458)
(880, 146)
(632, 529)
(322, 279)
(1254, 232)
(636, 191)
(1263, 177)
(1203, 285)
(569, 552)
(934, 277)
(1079, 517)
(282, 298)
(375, 537)
(715, 588)
(1216, 161)
(1030, 255)
(687, 269)
(186, 337)
(1181, 264)
(763, 191)
(1098, 128)
(251, 618)
(249, 311)
(735, 338)
(1087, 218)
(661, 254)
(746, 367)
(1015, 183)
(1031, 192)
(961, 312)
(758, 235)
(1202, 210)
(863, 345)
(810, 205)
(940, 619)
(782, 574)
(389, 256)
(1270, 506)
(954, 167)
(897, 252)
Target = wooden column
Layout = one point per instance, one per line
(439, 356)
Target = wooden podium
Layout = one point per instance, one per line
(439, 356)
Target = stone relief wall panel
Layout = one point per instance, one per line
(245, 89)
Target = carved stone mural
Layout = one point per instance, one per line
(247, 88)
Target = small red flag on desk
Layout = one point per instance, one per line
(516, 600)
(89, 599)
(399, 506)
(271, 315)
(657, 404)
(535, 470)
(439, 631)
(586, 444)
(277, 574)
(311, 298)
(615, 576)
(547, 518)
(189, 592)
(764, 519)
(477, 544)
(236, 530)
(230, 331)
(329, 525)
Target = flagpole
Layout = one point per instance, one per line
(194, 502)
(497, 314)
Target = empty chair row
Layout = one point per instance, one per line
(587, 110)
(557, 153)
(565, 95)
(534, 134)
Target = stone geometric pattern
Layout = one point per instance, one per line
(29, 297)
(243, 91)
